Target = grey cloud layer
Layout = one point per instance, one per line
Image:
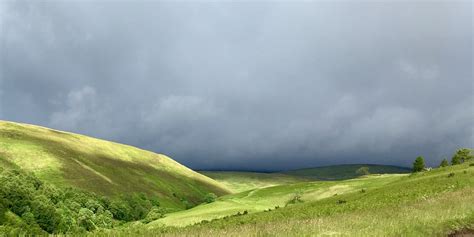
(246, 85)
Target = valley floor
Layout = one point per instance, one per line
(432, 203)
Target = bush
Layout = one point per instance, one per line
(210, 197)
(187, 204)
(341, 201)
(363, 171)
(154, 214)
(295, 199)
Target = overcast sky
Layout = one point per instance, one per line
(246, 85)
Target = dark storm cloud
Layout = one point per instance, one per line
(246, 85)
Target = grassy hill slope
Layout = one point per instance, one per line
(340, 172)
(431, 203)
(261, 199)
(243, 181)
(103, 167)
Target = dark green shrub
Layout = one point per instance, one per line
(341, 201)
(363, 171)
(154, 214)
(295, 199)
(210, 197)
(187, 204)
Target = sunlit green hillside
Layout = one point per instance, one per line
(107, 168)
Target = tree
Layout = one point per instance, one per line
(419, 164)
(210, 197)
(104, 219)
(45, 213)
(120, 210)
(364, 170)
(461, 156)
(86, 219)
(444, 163)
(3, 210)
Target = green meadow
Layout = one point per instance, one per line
(269, 198)
(431, 203)
(54, 182)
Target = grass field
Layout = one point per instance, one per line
(103, 167)
(432, 203)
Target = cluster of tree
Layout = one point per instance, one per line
(46, 208)
(460, 156)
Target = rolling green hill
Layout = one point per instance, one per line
(340, 172)
(243, 181)
(37, 165)
(431, 203)
(106, 168)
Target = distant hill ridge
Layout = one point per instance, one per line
(345, 171)
(239, 181)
